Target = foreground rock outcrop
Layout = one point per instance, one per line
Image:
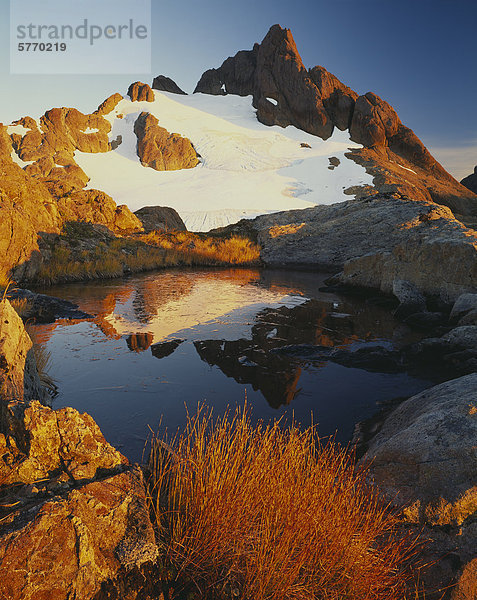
(424, 460)
(372, 242)
(73, 513)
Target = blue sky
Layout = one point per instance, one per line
(418, 55)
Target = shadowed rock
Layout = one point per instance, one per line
(470, 181)
(166, 84)
(163, 349)
(160, 218)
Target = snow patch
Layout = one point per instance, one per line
(22, 163)
(246, 168)
(406, 168)
(90, 130)
(17, 129)
(273, 101)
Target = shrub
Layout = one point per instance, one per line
(269, 512)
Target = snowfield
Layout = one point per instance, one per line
(245, 169)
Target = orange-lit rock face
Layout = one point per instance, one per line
(161, 150)
(140, 92)
(76, 540)
(279, 230)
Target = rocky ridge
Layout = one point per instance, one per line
(42, 186)
(286, 93)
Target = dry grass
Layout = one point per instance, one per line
(79, 256)
(22, 306)
(104, 261)
(43, 363)
(199, 249)
(267, 512)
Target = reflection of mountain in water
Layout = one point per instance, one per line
(275, 375)
(139, 342)
(247, 362)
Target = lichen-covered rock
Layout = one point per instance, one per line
(73, 514)
(424, 461)
(160, 218)
(67, 545)
(161, 150)
(375, 240)
(424, 456)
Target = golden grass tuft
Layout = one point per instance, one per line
(43, 363)
(268, 512)
(201, 249)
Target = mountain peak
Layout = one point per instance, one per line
(315, 101)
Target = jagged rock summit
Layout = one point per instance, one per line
(286, 93)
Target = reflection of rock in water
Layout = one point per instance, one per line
(138, 342)
(276, 375)
(246, 362)
(164, 349)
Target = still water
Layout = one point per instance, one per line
(161, 343)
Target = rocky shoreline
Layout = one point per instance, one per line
(75, 514)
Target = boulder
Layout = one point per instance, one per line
(470, 182)
(140, 92)
(424, 456)
(464, 336)
(464, 304)
(166, 84)
(424, 461)
(161, 150)
(411, 300)
(19, 381)
(160, 218)
(411, 240)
